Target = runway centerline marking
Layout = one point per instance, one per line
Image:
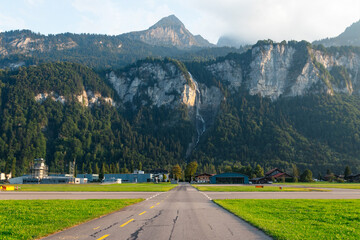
(123, 225)
(103, 237)
(142, 213)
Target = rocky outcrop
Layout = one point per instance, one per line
(228, 71)
(87, 98)
(26, 42)
(282, 69)
(169, 31)
(154, 84)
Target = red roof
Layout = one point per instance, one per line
(281, 175)
(272, 170)
(205, 174)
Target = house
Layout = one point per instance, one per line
(274, 174)
(203, 178)
(353, 178)
(333, 177)
(229, 178)
(160, 175)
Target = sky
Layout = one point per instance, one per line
(248, 20)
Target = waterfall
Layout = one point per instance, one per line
(200, 122)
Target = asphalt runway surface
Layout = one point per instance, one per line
(180, 214)
(14, 195)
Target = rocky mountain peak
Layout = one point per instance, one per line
(169, 32)
(169, 21)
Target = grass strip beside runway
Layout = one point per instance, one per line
(325, 185)
(31, 219)
(97, 187)
(252, 188)
(299, 218)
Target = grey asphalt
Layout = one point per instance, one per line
(182, 213)
(14, 195)
(334, 194)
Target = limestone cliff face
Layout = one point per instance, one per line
(349, 62)
(159, 84)
(274, 70)
(87, 98)
(155, 84)
(25, 42)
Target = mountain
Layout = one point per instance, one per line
(98, 51)
(169, 31)
(275, 104)
(350, 37)
(230, 41)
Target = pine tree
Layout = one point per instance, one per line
(347, 171)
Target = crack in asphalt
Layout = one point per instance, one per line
(174, 222)
(104, 229)
(135, 235)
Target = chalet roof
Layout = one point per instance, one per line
(354, 175)
(205, 174)
(273, 170)
(283, 174)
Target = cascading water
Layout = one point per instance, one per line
(200, 122)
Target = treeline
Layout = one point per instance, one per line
(314, 132)
(62, 133)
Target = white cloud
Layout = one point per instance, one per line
(112, 17)
(250, 20)
(34, 2)
(275, 19)
(10, 23)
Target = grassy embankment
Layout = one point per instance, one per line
(252, 189)
(300, 219)
(96, 187)
(325, 185)
(31, 219)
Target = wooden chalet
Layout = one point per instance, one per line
(274, 174)
(203, 178)
(353, 178)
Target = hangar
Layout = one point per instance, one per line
(229, 178)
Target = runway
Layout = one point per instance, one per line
(182, 213)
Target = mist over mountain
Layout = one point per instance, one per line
(231, 41)
(350, 37)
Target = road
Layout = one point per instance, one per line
(14, 195)
(182, 213)
(335, 193)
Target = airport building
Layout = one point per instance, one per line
(229, 178)
(39, 175)
(136, 177)
(90, 177)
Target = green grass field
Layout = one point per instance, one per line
(96, 187)
(252, 189)
(300, 219)
(31, 219)
(325, 185)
